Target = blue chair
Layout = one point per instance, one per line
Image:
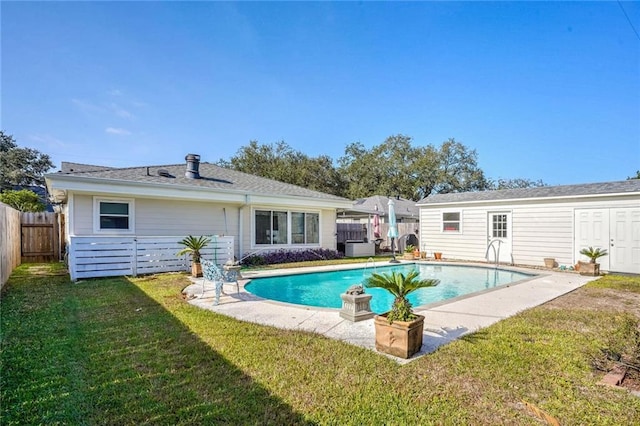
(212, 272)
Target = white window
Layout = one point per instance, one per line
(113, 215)
(499, 225)
(452, 221)
(274, 227)
(305, 228)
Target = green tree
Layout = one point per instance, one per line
(21, 166)
(458, 169)
(281, 162)
(386, 169)
(396, 167)
(24, 200)
(637, 176)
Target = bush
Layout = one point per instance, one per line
(290, 256)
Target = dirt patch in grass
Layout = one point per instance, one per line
(599, 299)
(607, 299)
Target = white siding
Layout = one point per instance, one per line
(82, 215)
(328, 229)
(470, 244)
(540, 229)
(168, 217)
(165, 218)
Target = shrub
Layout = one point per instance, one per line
(290, 256)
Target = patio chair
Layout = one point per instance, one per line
(212, 272)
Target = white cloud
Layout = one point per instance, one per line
(117, 131)
(86, 106)
(121, 112)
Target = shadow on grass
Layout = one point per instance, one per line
(102, 351)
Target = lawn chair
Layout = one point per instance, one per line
(212, 272)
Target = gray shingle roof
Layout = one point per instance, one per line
(211, 176)
(380, 204)
(68, 167)
(618, 187)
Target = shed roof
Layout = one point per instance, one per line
(629, 186)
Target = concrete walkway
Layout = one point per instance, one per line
(444, 321)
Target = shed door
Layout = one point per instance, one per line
(592, 230)
(624, 247)
(499, 229)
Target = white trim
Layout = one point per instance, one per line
(186, 192)
(96, 216)
(288, 210)
(70, 219)
(526, 199)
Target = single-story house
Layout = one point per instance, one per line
(127, 221)
(524, 226)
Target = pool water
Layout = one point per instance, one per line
(323, 289)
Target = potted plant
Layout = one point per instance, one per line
(591, 267)
(399, 331)
(408, 252)
(193, 246)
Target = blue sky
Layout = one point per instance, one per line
(541, 90)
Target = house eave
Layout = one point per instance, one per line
(568, 198)
(60, 185)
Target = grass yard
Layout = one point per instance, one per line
(132, 351)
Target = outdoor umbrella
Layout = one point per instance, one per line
(393, 228)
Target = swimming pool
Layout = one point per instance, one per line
(323, 289)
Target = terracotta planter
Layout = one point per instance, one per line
(408, 256)
(196, 270)
(416, 254)
(401, 339)
(588, 268)
(549, 262)
(437, 255)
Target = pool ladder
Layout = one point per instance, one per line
(496, 253)
(366, 267)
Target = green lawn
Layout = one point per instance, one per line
(131, 351)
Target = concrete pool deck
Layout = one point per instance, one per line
(444, 321)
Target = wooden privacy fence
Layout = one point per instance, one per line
(9, 241)
(91, 257)
(41, 237)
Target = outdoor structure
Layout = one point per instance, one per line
(122, 221)
(364, 208)
(367, 221)
(525, 226)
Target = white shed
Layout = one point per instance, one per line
(528, 225)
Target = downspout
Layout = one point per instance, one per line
(69, 220)
(241, 226)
